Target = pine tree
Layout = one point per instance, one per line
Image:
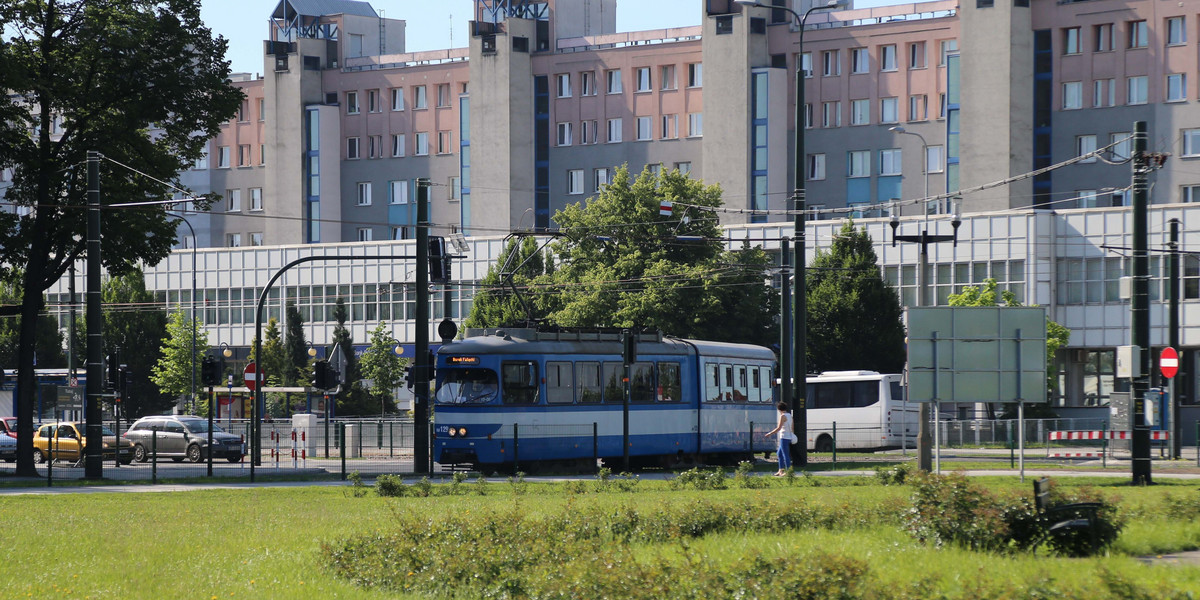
(353, 399)
(297, 348)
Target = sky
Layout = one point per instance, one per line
(430, 23)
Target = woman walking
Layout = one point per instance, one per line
(786, 438)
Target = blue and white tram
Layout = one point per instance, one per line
(520, 396)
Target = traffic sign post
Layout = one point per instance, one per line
(251, 376)
(1168, 362)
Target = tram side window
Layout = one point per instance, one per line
(727, 383)
(740, 384)
(755, 386)
(589, 382)
(520, 382)
(669, 387)
(712, 383)
(614, 389)
(560, 388)
(641, 382)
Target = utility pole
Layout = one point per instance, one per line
(420, 366)
(93, 467)
(1173, 337)
(785, 326)
(1139, 306)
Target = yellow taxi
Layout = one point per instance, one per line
(68, 440)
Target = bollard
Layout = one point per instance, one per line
(379, 436)
(834, 444)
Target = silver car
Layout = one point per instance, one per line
(180, 436)
(8, 448)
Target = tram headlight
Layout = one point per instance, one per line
(462, 432)
(452, 432)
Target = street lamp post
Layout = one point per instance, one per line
(192, 390)
(799, 323)
(924, 160)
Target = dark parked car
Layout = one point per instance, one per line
(8, 448)
(180, 437)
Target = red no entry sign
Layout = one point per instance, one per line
(251, 375)
(1168, 362)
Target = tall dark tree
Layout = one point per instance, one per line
(275, 367)
(142, 81)
(296, 347)
(354, 399)
(496, 304)
(49, 352)
(134, 323)
(854, 316)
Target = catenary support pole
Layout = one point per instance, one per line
(93, 459)
(1140, 309)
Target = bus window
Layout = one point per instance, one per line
(739, 389)
(712, 383)
(641, 382)
(589, 382)
(843, 394)
(897, 391)
(519, 381)
(669, 387)
(727, 383)
(614, 388)
(560, 388)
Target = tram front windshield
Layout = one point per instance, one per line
(467, 386)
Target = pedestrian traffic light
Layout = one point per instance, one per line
(439, 260)
(410, 378)
(321, 378)
(114, 369)
(210, 372)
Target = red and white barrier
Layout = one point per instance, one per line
(1104, 435)
(1077, 455)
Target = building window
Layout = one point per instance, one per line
(816, 167)
(918, 107)
(858, 163)
(643, 129)
(352, 148)
(399, 233)
(808, 115)
(948, 47)
(614, 131)
(223, 157)
(1189, 193)
(695, 124)
(831, 64)
(831, 114)
(1138, 92)
(422, 144)
(696, 75)
(352, 103)
(600, 176)
(398, 192)
(889, 161)
(575, 181)
(916, 55)
(364, 234)
(1139, 34)
(244, 156)
(563, 85)
(860, 112)
(455, 189)
(1071, 43)
(262, 109)
(364, 193)
(933, 159)
(233, 200)
(806, 64)
(889, 110)
(684, 168)
(398, 145)
(244, 112)
(1122, 145)
(1191, 142)
(1104, 37)
(201, 163)
(419, 98)
(1176, 35)
(1176, 87)
(233, 240)
(667, 77)
(587, 83)
(1104, 93)
(397, 99)
(444, 142)
(1085, 144)
(643, 79)
(1072, 95)
(373, 104)
(587, 132)
(887, 58)
(375, 146)
(443, 95)
(564, 134)
(613, 81)
(670, 127)
(256, 199)
(860, 61)
(256, 239)
(262, 154)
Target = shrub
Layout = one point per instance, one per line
(481, 485)
(517, 484)
(895, 475)
(1085, 542)
(744, 478)
(1183, 508)
(422, 488)
(575, 486)
(700, 480)
(356, 484)
(456, 484)
(390, 486)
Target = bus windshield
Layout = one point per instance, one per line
(467, 386)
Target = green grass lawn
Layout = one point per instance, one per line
(280, 542)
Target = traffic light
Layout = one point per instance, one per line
(114, 370)
(210, 372)
(629, 346)
(439, 260)
(124, 382)
(321, 378)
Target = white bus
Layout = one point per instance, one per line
(861, 410)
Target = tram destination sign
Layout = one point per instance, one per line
(977, 354)
(462, 360)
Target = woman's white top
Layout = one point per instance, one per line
(787, 432)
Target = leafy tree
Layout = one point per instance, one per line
(49, 347)
(296, 348)
(383, 367)
(143, 81)
(854, 316)
(495, 304)
(275, 366)
(353, 399)
(173, 371)
(131, 317)
(624, 265)
(1057, 336)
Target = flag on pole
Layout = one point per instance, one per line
(665, 208)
